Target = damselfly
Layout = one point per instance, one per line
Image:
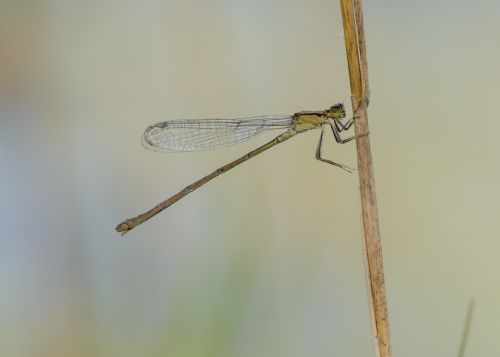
(207, 134)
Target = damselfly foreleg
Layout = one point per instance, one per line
(336, 134)
(341, 126)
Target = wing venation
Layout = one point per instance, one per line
(208, 134)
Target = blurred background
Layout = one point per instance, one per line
(267, 259)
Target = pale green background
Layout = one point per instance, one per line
(267, 259)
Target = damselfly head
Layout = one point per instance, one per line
(336, 112)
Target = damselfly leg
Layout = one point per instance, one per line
(337, 139)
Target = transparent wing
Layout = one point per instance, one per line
(208, 134)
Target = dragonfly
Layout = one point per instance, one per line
(207, 134)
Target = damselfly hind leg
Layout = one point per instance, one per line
(318, 154)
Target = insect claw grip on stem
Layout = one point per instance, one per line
(363, 104)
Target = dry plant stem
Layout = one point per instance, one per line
(358, 73)
(465, 333)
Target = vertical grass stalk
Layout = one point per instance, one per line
(352, 17)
